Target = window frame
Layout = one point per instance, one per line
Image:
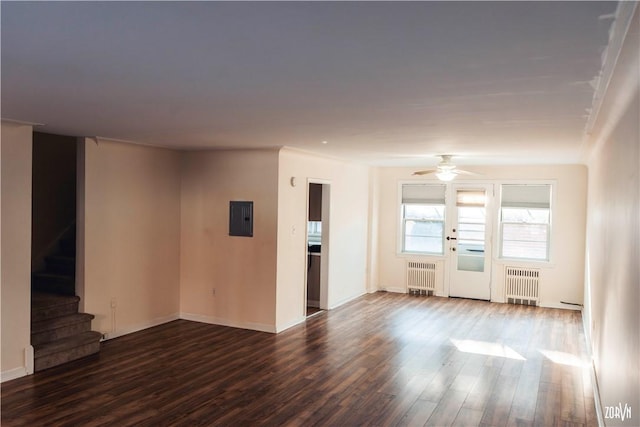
(401, 243)
(404, 220)
(549, 224)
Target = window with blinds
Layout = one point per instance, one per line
(525, 221)
(423, 216)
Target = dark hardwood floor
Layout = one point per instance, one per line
(312, 310)
(383, 359)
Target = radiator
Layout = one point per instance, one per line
(522, 285)
(421, 277)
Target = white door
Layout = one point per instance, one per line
(469, 241)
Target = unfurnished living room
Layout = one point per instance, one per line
(320, 213)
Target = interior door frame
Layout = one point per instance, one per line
(324, 243)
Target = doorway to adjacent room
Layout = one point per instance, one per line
(316, 286)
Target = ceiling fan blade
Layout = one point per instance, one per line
(463, 172)
(425, 172)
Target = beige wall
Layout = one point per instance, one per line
(348, 232)
(561, 279)
(242, 270)
(15, 262)
(612, 282)
(131, 198)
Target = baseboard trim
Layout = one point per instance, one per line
(290, 325)
(596, 394)
(22, 371)
(12, 374)
(346, 300)
(140, 326)
(394, 290)
(561, 306)
(260, 327)
(29, 360)
(592, 372)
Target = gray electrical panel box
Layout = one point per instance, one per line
(241, 219)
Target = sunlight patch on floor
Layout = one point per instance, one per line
(562, 358)
(486, 348)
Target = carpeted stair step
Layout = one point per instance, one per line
(60, 327)
(53, 283)
(66, 349)
(59, 264)
(48, 306)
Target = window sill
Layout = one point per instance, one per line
(418, 255)
(525, 262)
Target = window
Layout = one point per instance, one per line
(471, 229)
(314, 232)
(423, 215)
(471, 217)
(525, 220)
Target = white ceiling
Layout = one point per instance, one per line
(385, 83)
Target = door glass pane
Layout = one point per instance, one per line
(471, 236)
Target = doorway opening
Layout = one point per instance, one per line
(469, 241)
(316, 283)
(53, 222)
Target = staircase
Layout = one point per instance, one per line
(59, 334)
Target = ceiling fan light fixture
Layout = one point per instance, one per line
(446, 175)
(445, 170)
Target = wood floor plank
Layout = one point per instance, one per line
(418, 414)
(498, 408)
(523, 406)
(467, 417)
(447, 410)
(382, 359)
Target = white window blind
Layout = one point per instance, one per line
(526, 196)
(425, 194)
(476, 198)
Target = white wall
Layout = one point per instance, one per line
(130, 203)
(612, 284)
(242, 270)
(348, 233)
(15, 149)
(561, 279)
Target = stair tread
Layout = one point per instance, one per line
(59, 322)
(62, 357)
(66, 343)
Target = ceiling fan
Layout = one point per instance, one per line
(445, 170)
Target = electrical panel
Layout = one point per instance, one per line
(241, 219)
